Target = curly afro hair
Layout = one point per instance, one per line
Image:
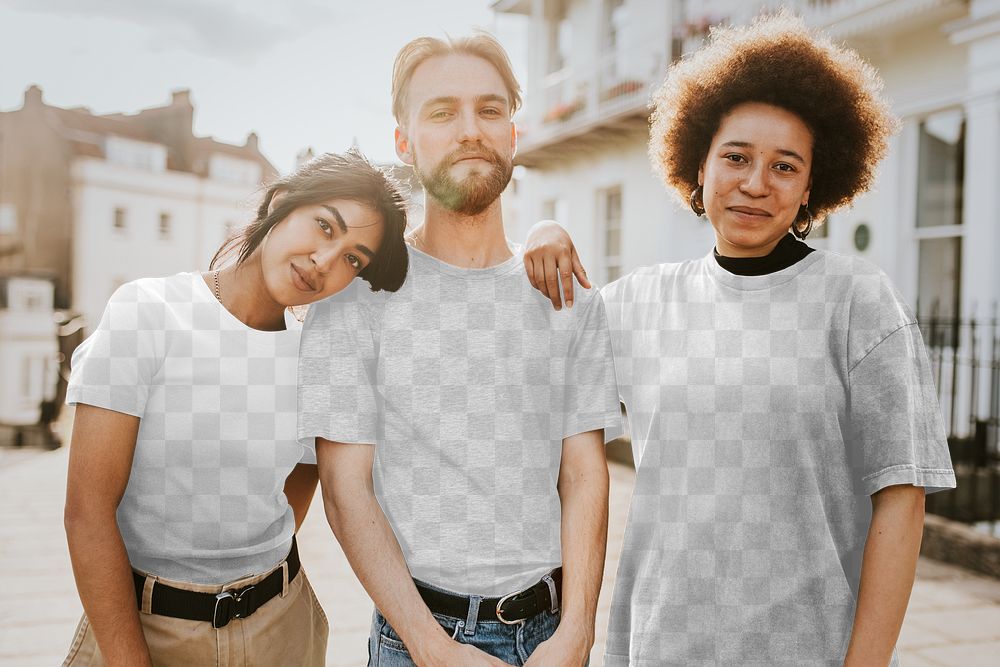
(775, 60)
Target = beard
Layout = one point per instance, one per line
(474, 193)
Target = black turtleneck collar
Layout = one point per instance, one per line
(788, 252)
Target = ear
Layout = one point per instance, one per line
(805, 195)
(701, 174)
(513, 139)
(403, 148)
(275, 198)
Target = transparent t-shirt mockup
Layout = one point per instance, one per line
(764, 412)
(216, 402)
(466, 381)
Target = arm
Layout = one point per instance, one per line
(550, 258)
(583, 494)
(887, 570)
(371, 548)
(100, 461)
(300, 487)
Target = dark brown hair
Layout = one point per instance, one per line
(776, 60)
(481, 44)
(335, 176)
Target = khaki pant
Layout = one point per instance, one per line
(288, 630)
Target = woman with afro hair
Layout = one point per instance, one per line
(784, 422)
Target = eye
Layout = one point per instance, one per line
(355, 262)
(734, 157)
(491, 111)
(785, 167)
(324, 226)
(440, 114)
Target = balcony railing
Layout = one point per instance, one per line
(616, 83)
(965, 363)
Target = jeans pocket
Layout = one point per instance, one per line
(390, 639)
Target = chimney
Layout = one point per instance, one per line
(251, 142)
(180, 98)
(33, 97)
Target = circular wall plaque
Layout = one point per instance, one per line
(862, 237)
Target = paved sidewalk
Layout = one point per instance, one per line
(953, 619)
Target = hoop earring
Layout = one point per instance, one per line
(803, 233)
(696, 201)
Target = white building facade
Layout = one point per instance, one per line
(98, 200)
(135, 222)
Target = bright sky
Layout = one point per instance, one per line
(299, 73)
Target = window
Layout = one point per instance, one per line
(233, 170)
(8, 219)
(555, 209)
(939, 212)
(135, 154)
(164, 225)
(119, 223)
(614, 18)
(611, 207)
(560, 36)
(940, 171)
(820, 231)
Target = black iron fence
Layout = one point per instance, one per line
(965, 361)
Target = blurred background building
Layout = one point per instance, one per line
(97, 200)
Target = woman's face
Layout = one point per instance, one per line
(318, 250)
(755, 177)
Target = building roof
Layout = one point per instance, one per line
(169, 126)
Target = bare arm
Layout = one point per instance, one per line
(887, 570)
(300, 487)
(583, 494)
(100, 461)
(371, 548)
(550, 259)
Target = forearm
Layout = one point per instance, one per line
(104, 581)
(887, 571)
(583, 494)
(376, 558)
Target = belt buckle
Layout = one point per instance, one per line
(500, 611)
(232, 605)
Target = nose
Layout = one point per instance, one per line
(755, 183)
(324, 257)
(469, 128)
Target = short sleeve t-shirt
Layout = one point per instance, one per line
(764, 411)
(466, 381)
(216, 402)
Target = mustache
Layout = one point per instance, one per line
(482, 151)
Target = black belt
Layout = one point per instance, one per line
(508, 609)
(218, 608)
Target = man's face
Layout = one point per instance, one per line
(458, 134)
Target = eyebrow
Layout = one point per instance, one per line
(781, 151)
(337, 217)
(343, 230)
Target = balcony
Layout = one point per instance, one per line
(576, 111)
(877, 19)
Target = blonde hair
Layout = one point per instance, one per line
(481, 45)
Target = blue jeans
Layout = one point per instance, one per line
(511, 643)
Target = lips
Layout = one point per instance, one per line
(749, 210)
(464, 158)
(304, 283)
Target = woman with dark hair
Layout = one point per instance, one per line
(784, 422)
(186, 483)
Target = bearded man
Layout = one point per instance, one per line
(459, 423)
